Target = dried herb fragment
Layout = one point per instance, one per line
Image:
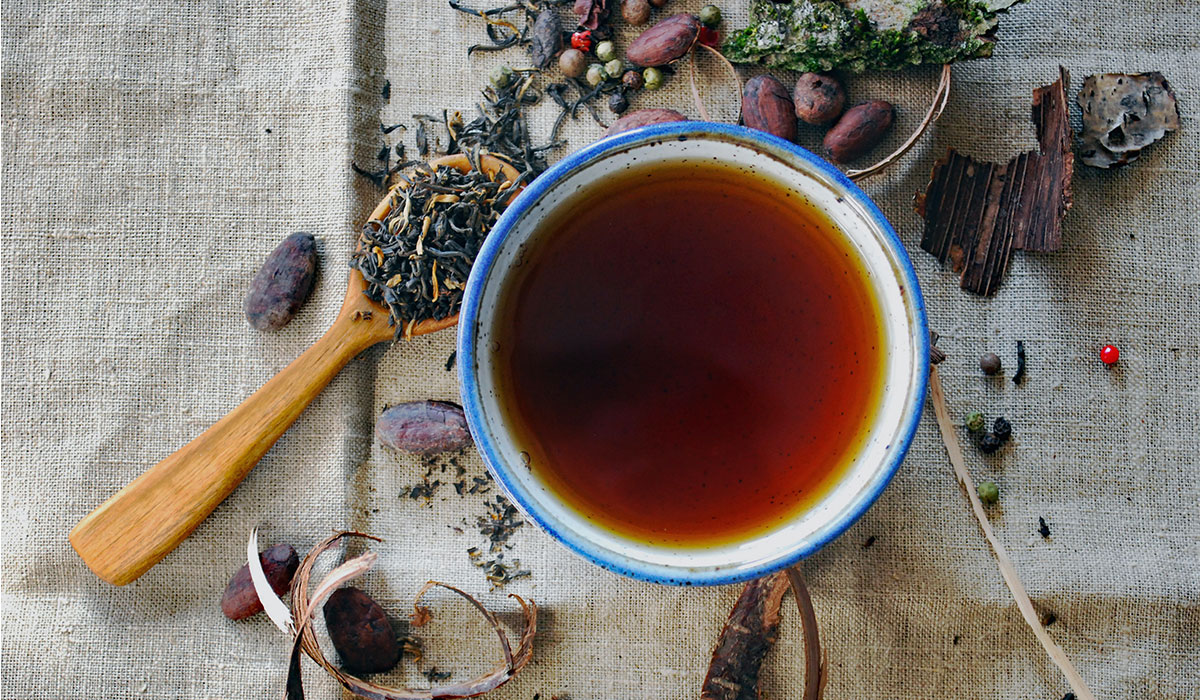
(819, 35)
(1044, 531)
(592, 13)
(545, 39)
(1019, 375)
(751, 629)
(976, 212)
(1122, 114)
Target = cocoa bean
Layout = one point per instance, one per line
(859, 130)
(666, 41)
(659, 3)
(241, 600)
(636, 12)
(545, 38)
(819, 98)
(423, 427)
(644, 117)
(361, 632)
(282, 283)
(766, 106)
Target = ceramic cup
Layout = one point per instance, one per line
(890, 274)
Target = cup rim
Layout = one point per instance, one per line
(573, 540)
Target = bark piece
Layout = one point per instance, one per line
(751, 629)
(976, 213)
(1122, 114)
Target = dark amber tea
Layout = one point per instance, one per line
(691, 355)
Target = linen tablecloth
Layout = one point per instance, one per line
(155, 152)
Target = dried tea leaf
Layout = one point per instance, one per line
(977, 212)
(592, 13)
(858, 35)
(305, 640)
(1122, 114)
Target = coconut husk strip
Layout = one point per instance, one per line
(305, 607)
(272, 605)
(1007, 569)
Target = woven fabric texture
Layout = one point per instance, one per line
(154, 153)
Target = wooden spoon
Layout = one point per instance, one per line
(140, 524)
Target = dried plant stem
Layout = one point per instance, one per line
(696, 90)
(940, 98)
(814, 668)
(1007, 569)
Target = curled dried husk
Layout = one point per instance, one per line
(304, 607)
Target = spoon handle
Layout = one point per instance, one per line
(140, 524)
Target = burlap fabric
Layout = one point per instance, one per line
(155, 152)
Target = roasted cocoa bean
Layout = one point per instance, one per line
(545, 38)
(766, 106)
(819, 98)
(241, 600)
(859, 130)
(636, 12)
(666, 41)
(644, 117)
(361, 632)
(423, 427)
(283, 283)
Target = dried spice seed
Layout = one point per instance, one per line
(767, 106)
(1019, 375)
(667, 41)
(283, 283)
(1044, 531)
(988, 492)
(635, 12)
(1002, 429)
(423, 427)
(361, 632)
(989, 363)
(859, 130)
(819, 98)
(974, 422)
(240, 600)
(989, 443)
(572, 63)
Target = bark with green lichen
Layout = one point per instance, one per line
(858, 35)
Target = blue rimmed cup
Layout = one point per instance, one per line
(891, 277)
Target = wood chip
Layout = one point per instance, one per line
(976, 213)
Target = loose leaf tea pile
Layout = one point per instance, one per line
(976, 212)
(820, 35)
(417, 259)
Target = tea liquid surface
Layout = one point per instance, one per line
(691, 356)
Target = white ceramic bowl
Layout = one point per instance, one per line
(906, 365)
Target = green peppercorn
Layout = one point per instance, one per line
(596, 74)
(710, 15)
(572, 63)
(653, 78)
(606, 51)
(614, 68)
(988, 492)
(975, 422)
(501, 76)
(633, 80)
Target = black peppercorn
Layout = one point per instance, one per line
(989, 362)
(990, 443)
(617, 102)
(1002, 428)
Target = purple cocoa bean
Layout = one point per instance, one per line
(423, 427)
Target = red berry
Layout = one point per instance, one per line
(709, 37)
(1109, 354)
(582, 40)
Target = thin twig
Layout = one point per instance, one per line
(814, 668)
(1007, 569)
(940, 98)
(696, 90)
